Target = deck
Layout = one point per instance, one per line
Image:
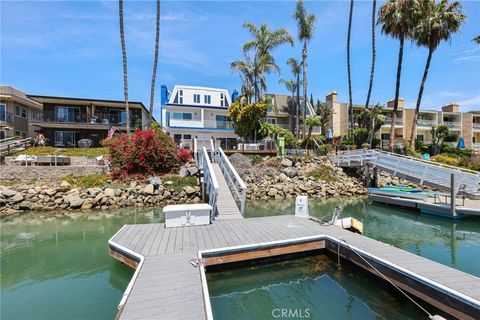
(167, 286)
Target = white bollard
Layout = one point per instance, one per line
(301, 206)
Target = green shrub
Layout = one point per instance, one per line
(446, 159)
(180, 182)
(87, 181)
(323, 172)
(67, 152)
(255, 158)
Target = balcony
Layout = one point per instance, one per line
(426, 123)
(79, 117)
(453, 124)
(476, 126)
(398, 121)
(206, 124)
(6, 118)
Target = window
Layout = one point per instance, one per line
(3, 112)
(223, 100)
(272, 120)
(3, 135)
(64, 138)
(187, 136)
(20, 112)
(196, 98)
(182, 116)
(221, 121)
(420, 137)
(17, 133)
(207, 99)
(177, 138)
(180, 95)
(67, 114)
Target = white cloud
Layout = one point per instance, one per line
(472, 54)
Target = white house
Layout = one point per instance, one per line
(190, 112)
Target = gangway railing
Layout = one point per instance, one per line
(209, 180)
(238, 187)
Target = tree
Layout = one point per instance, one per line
(395, 18)
(265, 130)
(305, 27)
(263, 42)
(377, 119)
(372, 69)
(436, 23)
(246, 118)
(439, 133)
(296, 70)
(312, 121)
(155, 62)
(352, 123)
(125, 73)
(246, 70)
(324, 111)
(291, 86)
(477, 39)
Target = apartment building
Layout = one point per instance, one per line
(65, 120)
(190, 112)
(17, 111)
(463, 124)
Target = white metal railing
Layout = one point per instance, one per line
(398, 121)
(476, 125)
(425, 171)
(237, 186)
(426, 123)
(452, 124)
(209, 179)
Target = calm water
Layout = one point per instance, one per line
(312, 286)
(58, 267)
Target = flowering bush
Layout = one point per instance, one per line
(184, 155)
(144, 152)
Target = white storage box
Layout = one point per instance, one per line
(187, 215)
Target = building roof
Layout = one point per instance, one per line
(10, 93)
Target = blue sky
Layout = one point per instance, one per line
(72, 48)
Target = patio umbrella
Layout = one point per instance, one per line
(461, 143)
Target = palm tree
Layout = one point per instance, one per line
(395, 18)
(377, 119)
(476, 39)
(296, 70)
(324, 111)
(352, 122)
(372, 70)
(310, 122)
(124, 55)
(291, 86)
(436, 23)
(305, 26)
(155, 62)
(263, 42)
(246, 70)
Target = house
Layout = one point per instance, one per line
(17, 111)
(190, 112)
(65, 120)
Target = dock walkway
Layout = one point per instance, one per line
(167, 286)
(226, 205)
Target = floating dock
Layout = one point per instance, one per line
(167, 285)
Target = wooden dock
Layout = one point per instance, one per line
(167, 286)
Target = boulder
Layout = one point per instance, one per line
(287, 162)
(93, 192)
(192, 170)
(16, 198)
(109, 192)
(75, 201)
(189, 190)
(155, 181)
(272, 192)
(87, 204)
(65, 185)
(149, 189)
(25, 205)
(183, 172)
(50, 191)
(8, 192)
(290, 172)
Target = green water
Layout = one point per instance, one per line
(56, 266)
(306, 288)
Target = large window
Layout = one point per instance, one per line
(3, 112)
(223, 100)
(207, 99)
(20, 112)
(221, 121)
(182, 116)
(180, 94)
(67, 114)
(196, 98)
(64, 138)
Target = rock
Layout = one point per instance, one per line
(65, 185)
(75, 201)
(93, 192)
(155, 181)
(167, 194)
(50, 191)
(287, 162)
(189, 190)
(16, 198)
(8, 211)
(149, 189)
(25, 205)
(87, 204)
(272, 192)
(290, 172)
(192, 170)
(183, 172)
(109, 192)
(8, 192)
(169, 182)
(278, 197)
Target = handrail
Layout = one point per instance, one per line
(211, 183)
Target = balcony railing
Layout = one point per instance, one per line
(398, 121)
(6, 117)
(452, 124)
(75, 117)
(197, 123)
(426, 123)
(476, 125)
(476, 146)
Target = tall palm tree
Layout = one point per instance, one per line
(436, 23)
(245, 69)
(124, 56)
(263, 42)
(155, 62)
(291, 86)
(395, 18)
(305, 26)
(352, 122)
(372, 70)
(296, 69)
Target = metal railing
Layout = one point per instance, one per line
(81, 117)
(476, 125)
(209, 179)
(398, 121)
(237, 186)
(6, 117)
(12, 144)
(452, 124)
(426, 123)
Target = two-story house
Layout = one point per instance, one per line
(190, 112)
(16, 113)
(66, 120)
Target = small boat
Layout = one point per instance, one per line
(402, 192)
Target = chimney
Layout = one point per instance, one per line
(163, 95)
(332, 97)
(451, 107)
(401, 103)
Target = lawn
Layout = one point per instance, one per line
(70, 152)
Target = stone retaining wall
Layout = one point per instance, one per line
(27, 173)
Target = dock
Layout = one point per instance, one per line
(167, 285)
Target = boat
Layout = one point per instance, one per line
(399, 191)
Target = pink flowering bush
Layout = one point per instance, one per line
(143, 153)
(184, 155)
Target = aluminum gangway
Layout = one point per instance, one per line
(222, 185)
(420, 171)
